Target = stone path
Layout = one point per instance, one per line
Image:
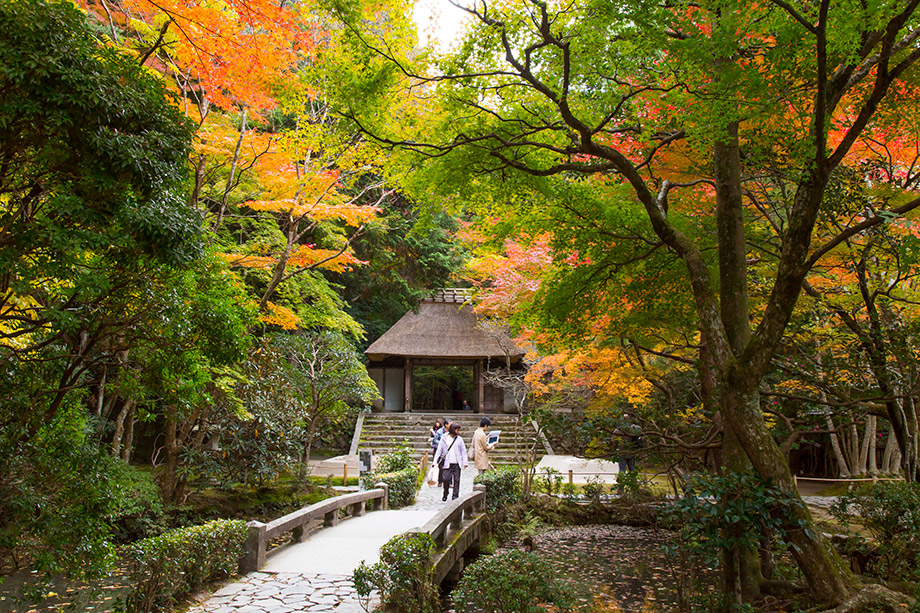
(315, 575)
(262, 592)
(429, 498)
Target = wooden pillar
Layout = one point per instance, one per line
(478, 389)
(407, 384)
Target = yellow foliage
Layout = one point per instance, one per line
(277, 315)
(16, 306)
(306, 256)
(604, 370)
(249, 261)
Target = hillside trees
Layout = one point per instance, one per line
(95, 237)
(862, 296)
(657, 99)
(260, 433)
(406, 255)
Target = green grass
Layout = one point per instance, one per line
(332, 481)
(658, 484)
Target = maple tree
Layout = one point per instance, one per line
(682, 96)
(252, 75)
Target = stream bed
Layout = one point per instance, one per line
(611, 568)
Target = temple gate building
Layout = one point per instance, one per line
(444, 347)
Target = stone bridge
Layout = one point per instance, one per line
(329, 540)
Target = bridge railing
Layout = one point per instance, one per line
(444, 528)
(328, 510)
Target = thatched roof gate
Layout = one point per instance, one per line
(444, 331)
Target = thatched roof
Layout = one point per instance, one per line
(443, 327)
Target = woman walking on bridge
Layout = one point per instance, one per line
(450, 457)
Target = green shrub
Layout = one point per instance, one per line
(400, 459)
(139, 510)
(403, 486)
(167, 567)
(511, 582)
(551, 481)
(595, 489)
(503, 486)
(402, 577)
(732, 512)
(61, 500)
(400, 470)
(891, 511)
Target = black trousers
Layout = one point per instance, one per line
(451, 476)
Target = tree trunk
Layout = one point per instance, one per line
(854, 449)
(842, 467)
(101, 398)
(229, 186)
(871, 436)
(741, 566)
(169, 477)
(119, 430)
(864, 449)
(278, 271)
(824, 571)
(127, 446)
(912, 468)
(891, 446)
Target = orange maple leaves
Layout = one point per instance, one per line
(236, 50)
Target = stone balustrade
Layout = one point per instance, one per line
(328, 510)
(454, 530)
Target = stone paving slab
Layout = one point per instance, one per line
(267, 592)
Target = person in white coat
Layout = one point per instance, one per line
(453, 451)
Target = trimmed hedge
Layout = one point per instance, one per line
(403, 486)
(503, 486)
(167, 567)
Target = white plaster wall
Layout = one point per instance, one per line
(376, 375)
(395, 398)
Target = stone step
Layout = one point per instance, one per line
(383, 432)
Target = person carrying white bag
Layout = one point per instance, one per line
(450, 458)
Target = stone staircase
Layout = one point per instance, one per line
(383, 432)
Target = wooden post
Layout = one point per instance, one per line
(478, 387)
(345, 474)
(407, 385)
(571, 481)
